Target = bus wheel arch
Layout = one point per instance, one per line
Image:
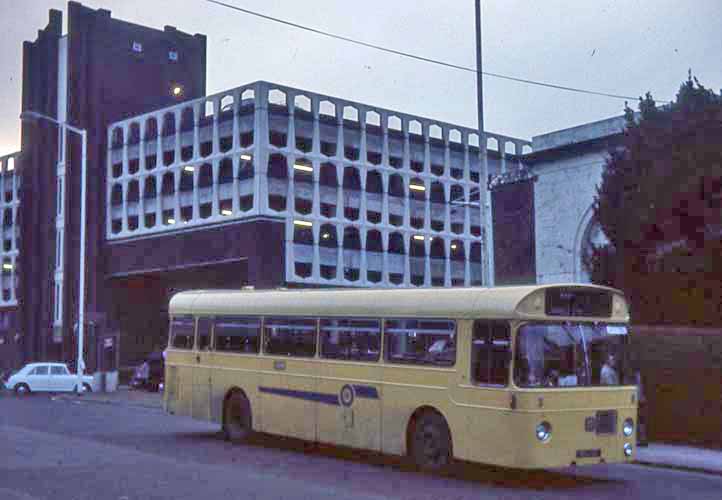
(439, 437)
(237, 417)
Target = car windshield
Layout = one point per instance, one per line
(571, 355)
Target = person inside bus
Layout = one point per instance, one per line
(609, 375)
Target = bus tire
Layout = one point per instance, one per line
(237, 418)
(430, 442)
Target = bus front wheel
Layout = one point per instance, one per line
(431, 442)
(237, 423)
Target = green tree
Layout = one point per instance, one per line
(659, 205)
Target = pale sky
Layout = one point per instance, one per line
(618, 46)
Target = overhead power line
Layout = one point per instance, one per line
(422, 58)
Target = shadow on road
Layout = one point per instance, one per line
(461, 471)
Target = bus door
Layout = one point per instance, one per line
(201, 402)
(350, 412)
(288, 383)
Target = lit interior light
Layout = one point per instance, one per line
(171, 221)
(303, 223)
(302, 167)
(246, 157)
(177, 90)
(326, 236)
(418, 237)
(453, 247)
(8, 267)
(189, 168)
(417, 187)
(226, 212)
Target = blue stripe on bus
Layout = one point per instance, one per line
(361, 391)
(318, 397)
(366, 391)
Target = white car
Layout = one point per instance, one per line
(48, 377)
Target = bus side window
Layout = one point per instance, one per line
(350, 339)
(290, 336)
(237, 334)
(203, 342)
(182, 330)
(490, 352)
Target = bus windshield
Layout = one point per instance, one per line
(572, 355)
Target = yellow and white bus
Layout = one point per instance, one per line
(527, 377)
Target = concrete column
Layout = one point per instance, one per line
(340, 275)
(177, 114)
(260, 149)
(236, 208)
(447, 153)
(158, 141)
(215, 191)
(216, 136)
(196, 130)
(316, 138)
(427, 148)
(176, 195)
(340, 205)
(291, 190)
(467, 263)
(447, 206)
(362, 194)
(316, 265)
(290, 250)
(141, 201)
(363, 267)
(447, 262)
(236, 123)
(407, 258)
(385, 264)
(427, 206)
(385, 199)
(196, 193)
(124, 218)
(158, 200)
(427, 261)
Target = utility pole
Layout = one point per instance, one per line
(487, 247)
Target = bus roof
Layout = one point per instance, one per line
(497, 302)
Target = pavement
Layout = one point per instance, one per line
(672, 456)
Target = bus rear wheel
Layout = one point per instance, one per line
(237, 423)
(431, 442)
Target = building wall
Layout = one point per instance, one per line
(563, 198)
(38, 165)
(78, 82)
(368, 196)
(568, 166)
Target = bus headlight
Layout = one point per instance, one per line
(544, 431)
(627, 450)
(628, 427)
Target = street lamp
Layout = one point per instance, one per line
(33, 116)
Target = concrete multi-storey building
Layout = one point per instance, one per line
(261, 185)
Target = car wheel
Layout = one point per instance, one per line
(22, 389)
(237, 423)
(86, 387)
(431, 442)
